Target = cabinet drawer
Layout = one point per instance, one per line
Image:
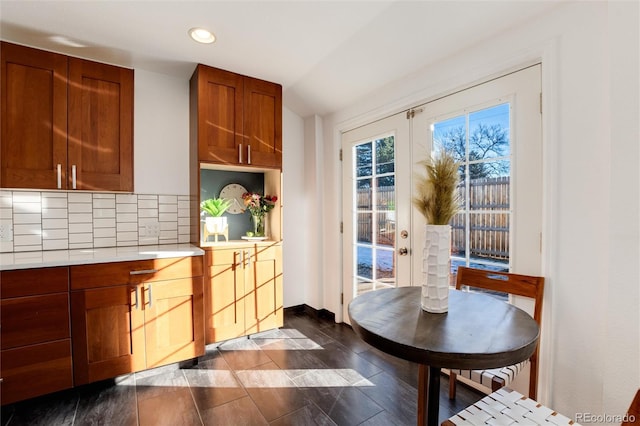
(134, 272)
(29, 282)
(34, 319)
(35, 370)
(224, 256)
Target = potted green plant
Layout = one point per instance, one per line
(215, 224)
(437, 200)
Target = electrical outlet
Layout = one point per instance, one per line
(152, 230)
(6, 233)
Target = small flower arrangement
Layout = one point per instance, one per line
(257, 204)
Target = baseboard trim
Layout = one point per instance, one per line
(312, 312)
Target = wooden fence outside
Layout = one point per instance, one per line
(489, 230)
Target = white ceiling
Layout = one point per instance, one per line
(326, 54)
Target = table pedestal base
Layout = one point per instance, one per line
(428, 395)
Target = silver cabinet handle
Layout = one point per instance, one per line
(73, 176)
(143, 271)
(150, 296)
(240, 153)
(248, 154)
(59, 176)
(136, 288)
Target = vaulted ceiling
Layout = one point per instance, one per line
(326, 54)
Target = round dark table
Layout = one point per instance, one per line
(478, 332)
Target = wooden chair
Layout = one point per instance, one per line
(515, 284)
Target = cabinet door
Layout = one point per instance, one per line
(107, 332)
(100, 126)
(218, 95)
(174, 324)
(224, 294)
(263, 122)
(34, 118)
(263, 298)
(35, 370)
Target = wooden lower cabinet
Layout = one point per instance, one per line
(36, 340)
(243, 290)
(174, 322)
(108, 333)
(141, 323)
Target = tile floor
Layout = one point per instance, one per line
(310, 372)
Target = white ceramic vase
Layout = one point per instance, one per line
(436, 266)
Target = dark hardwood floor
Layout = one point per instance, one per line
(310, 372)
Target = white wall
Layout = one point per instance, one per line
(589, 52)
(161, 134)
(295, 224)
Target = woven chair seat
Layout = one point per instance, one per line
(507, 407)
(503, 376)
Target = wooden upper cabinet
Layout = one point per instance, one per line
(67, 123)
(263, 122)
(34, 117)
(100, 126)
(218, 95)
(236, 120)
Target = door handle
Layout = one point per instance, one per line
(403, 251)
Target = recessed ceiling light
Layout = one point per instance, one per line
(201, 35)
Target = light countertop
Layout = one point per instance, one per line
(43, 259)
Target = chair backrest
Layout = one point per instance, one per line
(505, 282)
(520, 285)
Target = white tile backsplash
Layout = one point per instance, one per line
(55, 223)
(27, 218)
(55, 234)
(78, 228)
(58, 220)
(79, 197)
(51, 213)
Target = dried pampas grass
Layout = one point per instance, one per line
(436, 197)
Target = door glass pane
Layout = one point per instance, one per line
(363, 159)
(489, 133)
(385, 155)
(480, 141)
(374, 214)
(364, 229)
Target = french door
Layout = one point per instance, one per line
(494, 130)
(376, 207)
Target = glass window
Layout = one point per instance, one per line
(481, 142)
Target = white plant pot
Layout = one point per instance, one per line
(216, 225)
(436, 266)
